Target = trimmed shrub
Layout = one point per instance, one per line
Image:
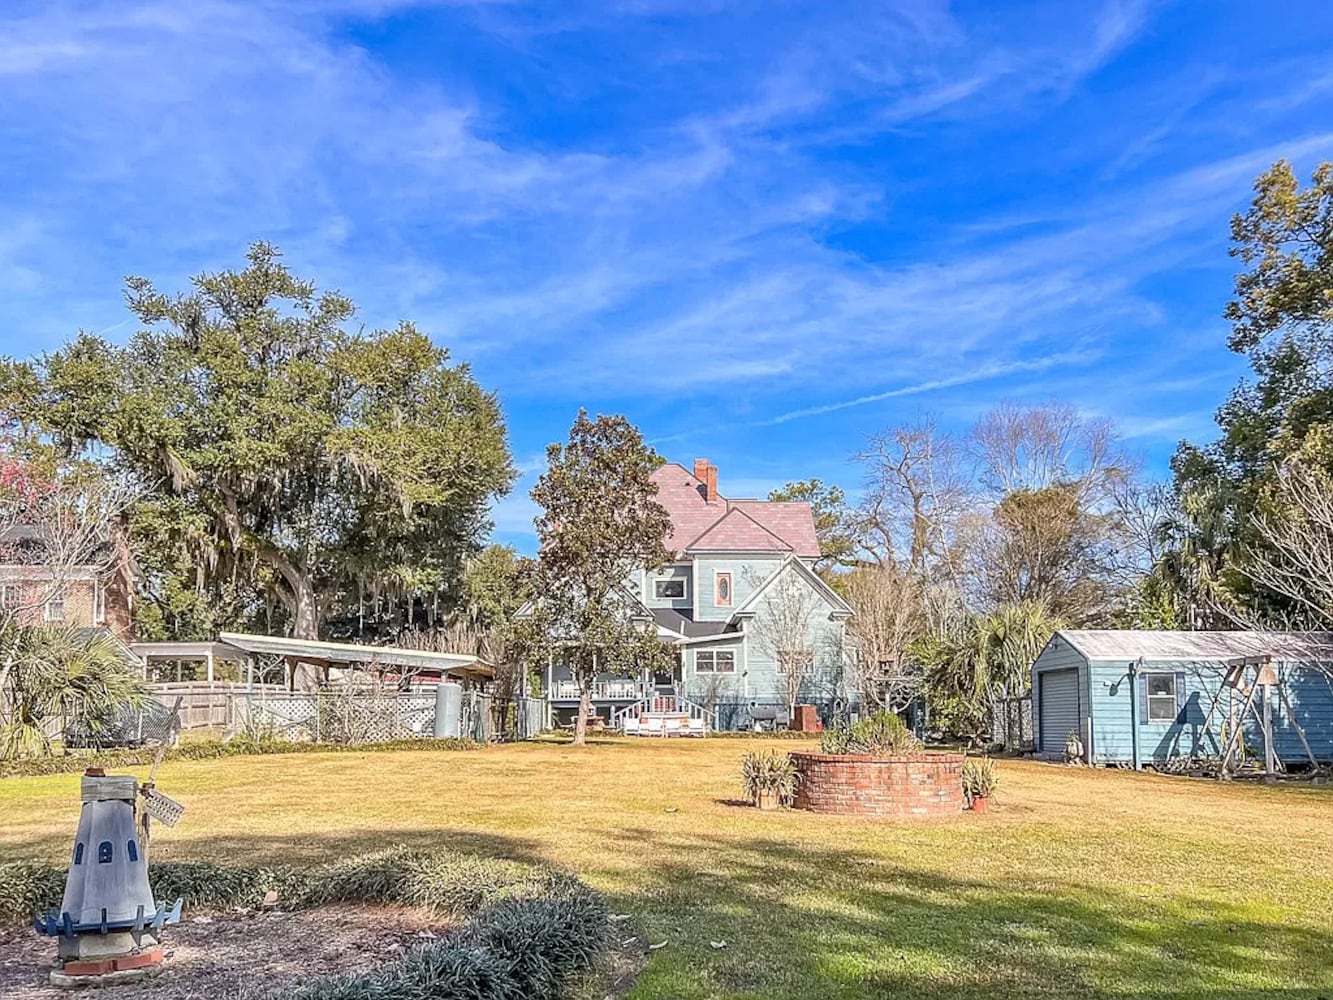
(882, 735)
(212, 750)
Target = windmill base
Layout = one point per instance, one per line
(100, 960)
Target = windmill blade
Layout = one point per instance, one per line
(162, 808)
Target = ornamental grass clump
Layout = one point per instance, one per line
(769, 778)
(979, 779)
(882, 735)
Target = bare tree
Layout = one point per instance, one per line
(915, 493)
(1296, 560)
(59, 525)
(890, 608)
(788, 631)
(1039, 447)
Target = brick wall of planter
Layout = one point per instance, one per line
(930, 785)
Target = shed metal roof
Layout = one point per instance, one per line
(1130, 644)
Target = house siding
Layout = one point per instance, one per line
(825, 638)
(748, 574)
(1118, 713)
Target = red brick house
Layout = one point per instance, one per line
(91, 595)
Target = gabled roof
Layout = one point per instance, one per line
(781, 526)
(737, 531)
(1130, 644)
(793, 564)
(788, 519)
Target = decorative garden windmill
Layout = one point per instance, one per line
(108, 926)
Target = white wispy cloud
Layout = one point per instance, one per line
(983, 374)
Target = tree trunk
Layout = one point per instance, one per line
(585, 709)
(305, 625)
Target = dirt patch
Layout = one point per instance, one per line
(213, 956)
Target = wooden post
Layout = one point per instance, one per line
(1233, 738)
(1291, 716)
(210, 668)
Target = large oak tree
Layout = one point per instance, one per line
(316, 458)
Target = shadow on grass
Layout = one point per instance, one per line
(835, 924)
(754, 917)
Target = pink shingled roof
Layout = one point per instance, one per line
(789, 520)
(731, 525)
(739, 532)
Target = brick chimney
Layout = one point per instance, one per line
(707, 475)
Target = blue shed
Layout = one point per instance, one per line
(1140, 697)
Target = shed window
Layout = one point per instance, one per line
(666, 589)
(715, 661)
(1161, 690)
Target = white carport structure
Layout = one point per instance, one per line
(242, 647)
(208, 653)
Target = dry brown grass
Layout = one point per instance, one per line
(1077, 883)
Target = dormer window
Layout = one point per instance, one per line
(669, 589)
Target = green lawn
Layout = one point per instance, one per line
(1077, 883)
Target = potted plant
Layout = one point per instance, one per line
(1073, 748)
(979, 781)
(769, 778)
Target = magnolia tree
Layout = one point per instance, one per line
(600, 520)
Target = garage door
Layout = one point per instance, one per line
(1059, 708)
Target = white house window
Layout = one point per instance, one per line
(99, 604)
(55, 606)
(1161, 690)
(722, 590)
(10, 596)
(715, 661)
(669, 588)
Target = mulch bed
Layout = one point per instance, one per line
(218, 955)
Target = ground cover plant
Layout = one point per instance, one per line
(530, 931)
(1077, 883)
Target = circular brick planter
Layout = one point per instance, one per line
(928, 785)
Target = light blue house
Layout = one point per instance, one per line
(738, 600)
(1141, 698)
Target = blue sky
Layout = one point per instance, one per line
(761, 230)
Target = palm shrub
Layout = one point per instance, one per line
(77, 676)
(881, 735)
(768, 772)
(979, 778)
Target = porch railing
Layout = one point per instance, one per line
(611, 690)
(664, 704)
